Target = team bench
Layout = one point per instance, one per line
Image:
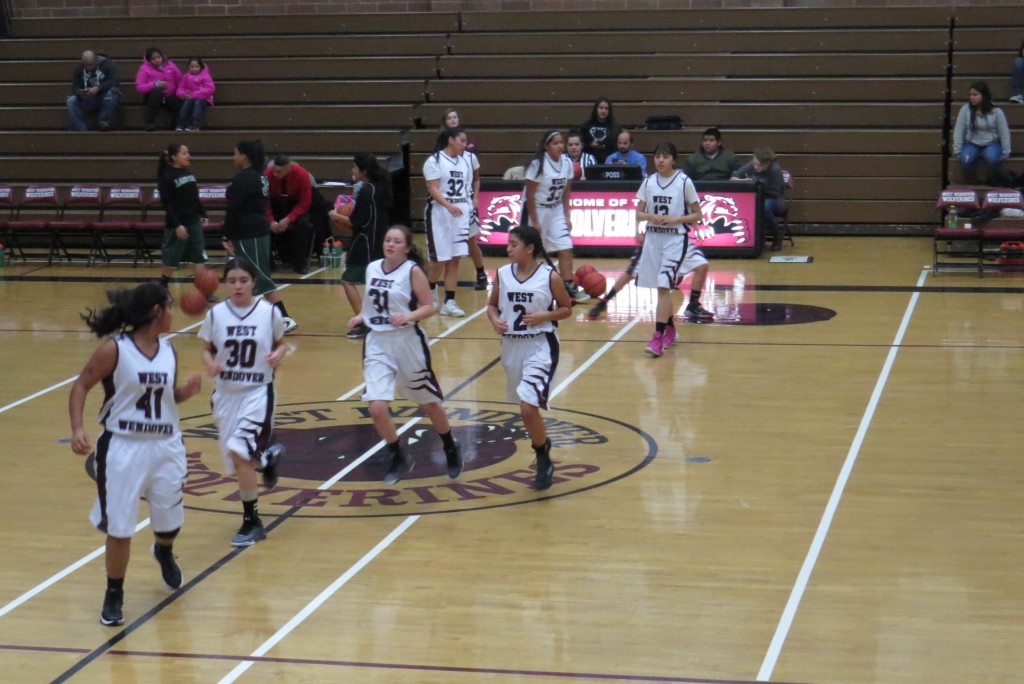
(995, 245)
(87, 221)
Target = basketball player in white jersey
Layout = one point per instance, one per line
(548, 192)
(527, 300)
(140, 453)
(396, 350)
(449, 175)
(668, 202)
(451, 120)
(243, 345)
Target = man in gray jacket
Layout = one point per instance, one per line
(95, 87)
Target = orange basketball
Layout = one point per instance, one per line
(582, 272)
(207, 282)
(193, 302)
(594, 284)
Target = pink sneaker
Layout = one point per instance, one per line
(668, 337)
(655, 347)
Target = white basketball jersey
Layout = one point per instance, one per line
(386, 294)
(668, 197)
(552, 179)
(242, 339)
(517, 298)
(139, 394)
(454, 176)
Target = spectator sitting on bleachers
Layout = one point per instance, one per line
(712, 161)
(626, 154)
(580, 159)
(196, 94)
(157, 82)
(981, 132)
(767, 173)
(95, 87)
(599, 132)
(1018, 76)
(291, 196)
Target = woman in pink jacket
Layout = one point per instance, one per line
(195, 93)
(157, 82)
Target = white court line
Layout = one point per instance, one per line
(786, 621)
(397, 532)
(319, 600)
(60, 575)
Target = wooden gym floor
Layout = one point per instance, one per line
(836, 500)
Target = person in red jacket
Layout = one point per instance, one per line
(291, 194)
(196, 94)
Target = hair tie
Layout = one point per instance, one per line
(551, 135)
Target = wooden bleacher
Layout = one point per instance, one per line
(854, 102)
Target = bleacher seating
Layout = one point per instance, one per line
(855, 103)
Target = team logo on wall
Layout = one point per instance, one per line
(334, 468)
(719, 214)
(503, 213)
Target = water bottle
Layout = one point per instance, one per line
(325, 258)
(951, 218)
(3, 255)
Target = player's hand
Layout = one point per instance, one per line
(274, 358)
(500, 326)
(80, 443)
(213, 369)
(228, 247)
(194, 384)
(399, 319)
(454, 210)
(181, 232)
(204, 222)
(283, 224)
(640, 238)
(355, 322)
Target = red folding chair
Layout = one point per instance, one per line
(76, 226)
(124, 211)
(38, 207)
(954, 246)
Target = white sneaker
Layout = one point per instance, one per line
(1019, 99)
(290, 324)
(450, 308)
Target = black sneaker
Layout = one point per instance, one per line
(481, 282)
(168, 566)
(454, 457)
(268, 464)
(401, 464)
(545, 468)
(698, 313)
(112, 615)
(249, 533)
(598, 310)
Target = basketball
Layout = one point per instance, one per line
(193, 302)
(594, 284)
(582, 272)
(344, 205)
(207, 282)
(577, 171)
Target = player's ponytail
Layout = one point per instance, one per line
(129, 309)
(165, 160)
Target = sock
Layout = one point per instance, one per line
(250, 513)
(115, 584)
(396, 448)
(695, 297)
(280, 306)
(480, 272)
(540, 449)
(671, 322)
(659, 328)
(449, 295)
(447, 440)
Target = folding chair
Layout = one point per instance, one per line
(124, 211)
(953, 246)
(6, 214)
(215, 201)
(79, 216)
(34, 214)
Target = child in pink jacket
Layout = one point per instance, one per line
(157, 82)
(196, 94)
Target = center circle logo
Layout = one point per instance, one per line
(334, 465)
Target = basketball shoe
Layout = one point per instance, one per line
(112, 614)
(249, 533)
(168, 565)
(401, 465)
(694, 311)
(668, 337)
(268, 464)
(454, 458)
(656, 346)
(545, 468)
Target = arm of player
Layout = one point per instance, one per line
(99, 366)
(434, 190)
(641, 208)
(420, 288)
(191, 387)
(209, 355)
(531, 203)
(567, 203)
(499, 324)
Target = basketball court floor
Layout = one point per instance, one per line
(825, 485)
